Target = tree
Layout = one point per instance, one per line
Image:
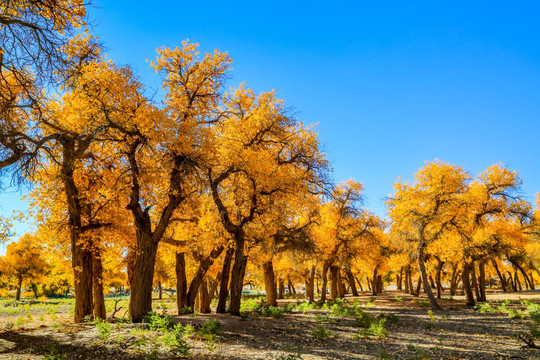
(24, 261)
(423, 211)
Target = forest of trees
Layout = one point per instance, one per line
(213, 188)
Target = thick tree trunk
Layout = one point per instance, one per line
(324, 286)
(380, 284)
(350, 279)
(204, 297)
(418, 286)
(423, 274)
(237, 275)
(19, 287)
(374, 281)
(513, 284)
(140, 301)
(224, 284)
(99, 300)
(290, 285)
(270, 285)
(160, 291)
(407, 281)
(204, 265)
(81, 256)
(310, 285)
(465, 279)
(333, 282)
(482, 280)
(454, 281)
(181, 282)
(341, 286)
(281, 285)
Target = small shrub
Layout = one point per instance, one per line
(432, 316)
(209, 329)
(104, 328)
(422, 303)
(398, 298)
(52, 353)
(174, 340)
(483, 307)
(393, 318)
(156, 321)
(321, 332)
(376, 328)
(305, 306)
(363, 319)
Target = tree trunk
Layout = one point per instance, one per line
(528, 282)
(380, 284)
(19, 287)
(474, 281)
(438, 278)
(359, 284)
(423, 274)
(482, 280)
(310, 285)
(465, 279)
(213, 287)
(326, 266)
(407, 281)
(501, 276)
(160, 291)
(516, 280)
(350, 279)
(205, 298)
(270, 283)
(181, 282)
(431, 282)
(281, 292)
(512, 282)
(341, 285)
(99, 300)
(290, 285)
(418, 286)
(399, 280)
(224, 284)
(140, 301)
(204, 265)
(237, 275)
(374, 287)
(81, 256)
(333, 282)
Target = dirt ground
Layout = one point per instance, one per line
(456, 332)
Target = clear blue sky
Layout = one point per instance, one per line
(391, 84)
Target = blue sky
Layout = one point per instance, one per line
(391, 84)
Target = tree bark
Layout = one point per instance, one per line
(422, 267)
(474, 281)
(270, 283)
(214, 286)
(237, 275)
(19, 287)
(181, 282)
(438, 277)
(374, 285)
(333, 282)
(352, 284)
(310, 285)
(341, 286)
(482, 280)
(205, 298)
(324, 286)
(281, 291)
(140, 301)
(465, 279)
(224, 284)
(202, 269)
(81, 256)
(501, 276)
(399, 280)
(99, 300)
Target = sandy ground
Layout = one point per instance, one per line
(457, 332)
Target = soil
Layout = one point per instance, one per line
(457, 332)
